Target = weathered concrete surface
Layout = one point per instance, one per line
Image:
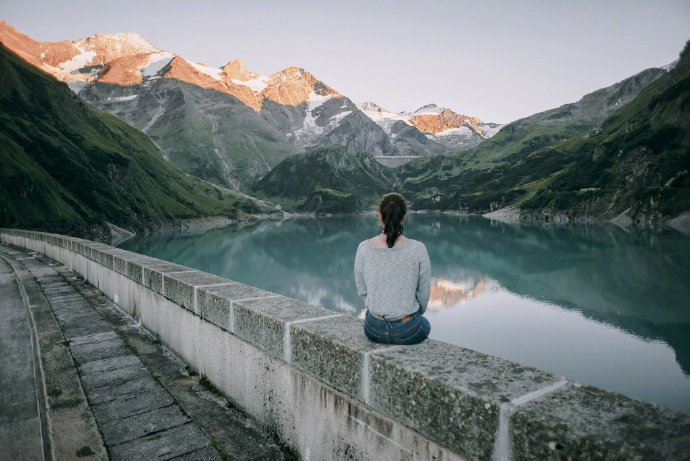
(449, 392)
(233, 431)
(313, 379)
(263, 321)
(583, 422)
(69, 428)
(215, 304)
(180, 287)
(138, 417)
(20, 423)
(335, 351)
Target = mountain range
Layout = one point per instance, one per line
(67, 167)
(628, 163)
(228, 125)
(619, 153)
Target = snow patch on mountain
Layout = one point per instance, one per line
(257, 85)
(338, 117)
(310, 130)
(81, 60)
(489, 130)
(315, 100)
(382, 117)
(210, 71)
(157, 61)
(122, 98)
(462, 131)
(429, 109)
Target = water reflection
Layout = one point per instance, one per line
(595, 303)
(446, 293)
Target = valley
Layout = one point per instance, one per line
(292, 141)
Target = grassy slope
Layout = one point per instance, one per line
(208, 134)
(522, 137)
(327, 180)
(430, 177)
(638, 159)
(67, 167)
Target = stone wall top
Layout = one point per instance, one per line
(479, 406)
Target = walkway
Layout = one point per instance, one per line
(111, 389)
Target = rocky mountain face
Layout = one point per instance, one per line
(620, 153)
(630, 167)
(230, 125)
(67, 167)
(524, 136)
(329, 179)
(76, 61)
(435, 130)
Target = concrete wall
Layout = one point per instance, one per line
(311, 375)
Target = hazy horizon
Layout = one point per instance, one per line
(499, 61)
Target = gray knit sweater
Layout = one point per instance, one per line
(394, 282)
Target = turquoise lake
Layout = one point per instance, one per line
(597, 304)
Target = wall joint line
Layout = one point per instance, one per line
(503, 447)
(287, 346)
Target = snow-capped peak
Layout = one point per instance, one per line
(370, 106)
(429, 109)
(213, 72)
(126, 43)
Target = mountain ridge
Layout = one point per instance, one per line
(303, 111)
(66, 167)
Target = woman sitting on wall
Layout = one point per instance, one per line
(393, 276)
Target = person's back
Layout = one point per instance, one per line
(393, 275)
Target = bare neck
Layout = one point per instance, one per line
(379, 241)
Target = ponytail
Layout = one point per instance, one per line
(393, 210)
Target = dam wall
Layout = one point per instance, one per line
(310, 375)
(395, 160)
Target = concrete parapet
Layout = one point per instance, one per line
(265, 321)
(579, 421)
(311, 375)
(336, 351)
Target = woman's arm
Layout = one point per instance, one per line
(359, 274)
(424, 280)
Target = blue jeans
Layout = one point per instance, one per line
(413, 331)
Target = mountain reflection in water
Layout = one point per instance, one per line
(446, 293)
(595, 303)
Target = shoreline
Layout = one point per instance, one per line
(507, 215)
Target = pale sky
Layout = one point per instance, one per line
(497, 60)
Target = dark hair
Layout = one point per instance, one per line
(393, 209)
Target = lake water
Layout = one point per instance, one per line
(597, 304)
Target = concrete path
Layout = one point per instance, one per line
(20, 422)
(112, 390)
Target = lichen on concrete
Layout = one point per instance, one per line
(584, 422)
(134, 266)
(262, 321)
(333, 350)
(152, 276)
(449, 393)
(215, 303)
(91, 250)
(179, 286)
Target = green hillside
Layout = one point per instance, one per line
(208, 134)
(522, 137)
(326, 180)
(636, 162)
(66, 167)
